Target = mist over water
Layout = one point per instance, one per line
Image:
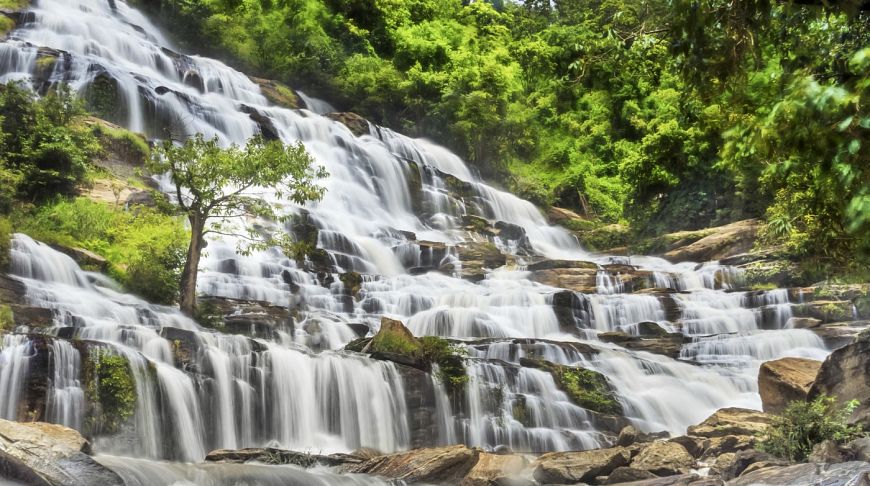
(297, 389)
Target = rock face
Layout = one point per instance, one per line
(49, 454)
(732, 421)
(784, 380)
(723, 242)
(578, 467)
(807, 474)
(438, 465)
(845, 374)
(664, 459)
(358, 125)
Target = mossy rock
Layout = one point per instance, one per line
(110, 391)
(7, 25)
(587, 388)
(277, 93)
(605, 237)
(395, 342)
(103, 97)
(352, 282)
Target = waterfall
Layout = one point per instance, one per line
(396, 211)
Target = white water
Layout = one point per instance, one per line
(294, 388)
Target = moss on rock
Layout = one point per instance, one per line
(111, 391)
(587, 388)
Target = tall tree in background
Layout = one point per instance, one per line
(214, 184)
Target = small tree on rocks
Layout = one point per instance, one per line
(214, 184)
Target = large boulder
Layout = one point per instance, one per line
(49, 454)
(436, 465)
(845, 374)
(732, 421)
(494, 469)
(358, 125)
(784, 380)
(851, 473)
(582, 466)
(720, 242)
(664, 459)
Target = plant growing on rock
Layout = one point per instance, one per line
(111, 392)
(215, 185)
(804, 424)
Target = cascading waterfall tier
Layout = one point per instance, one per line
(405, 231)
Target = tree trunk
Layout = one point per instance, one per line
(191, 264)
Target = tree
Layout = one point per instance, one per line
(215, 184)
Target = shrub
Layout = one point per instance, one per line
(802, 425)
(144, 246)
(156, 271)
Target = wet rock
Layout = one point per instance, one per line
(247, 317)
(721, 242)
(571, 309)
(802, 323)
(86, 259)
(435, 465)
(784, 380)
(732, 421)
(668, 345)
(357, 125)
(838, 334)
(664, 459)
(53, 453)
(851, 473)
(269, 455)
(845, 374)
(264, 123)
(826, 451)
(277, 93)
(627, 436)
(562, 216)
(572, 275)
(740, 461)
(826, 311)
(141, 198)
(628, 474)
(476, 258)
(693, 445)
(185, 347)
(577, 467)
(859, 449)
(31, 317)
(492, 469)
(352, 282)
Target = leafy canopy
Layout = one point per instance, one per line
(216, 182)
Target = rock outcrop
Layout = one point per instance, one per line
(732, 421)
(39, 453)
(664, 459)
(721, 242)
(847, 473)
(437, 465)
(845, 374)
(579, 467)
(784, 380)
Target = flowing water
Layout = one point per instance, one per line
(395, 210)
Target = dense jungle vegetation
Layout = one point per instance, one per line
(662, 114)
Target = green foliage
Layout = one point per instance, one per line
(43, 150)
(142, 245)
(448, 357)
(5, 243)
(7, 318)
(667, 114)
(111, 392)
(395, 341)
(589, 389)
(133, 145)
(804, 424)
(156, 271)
